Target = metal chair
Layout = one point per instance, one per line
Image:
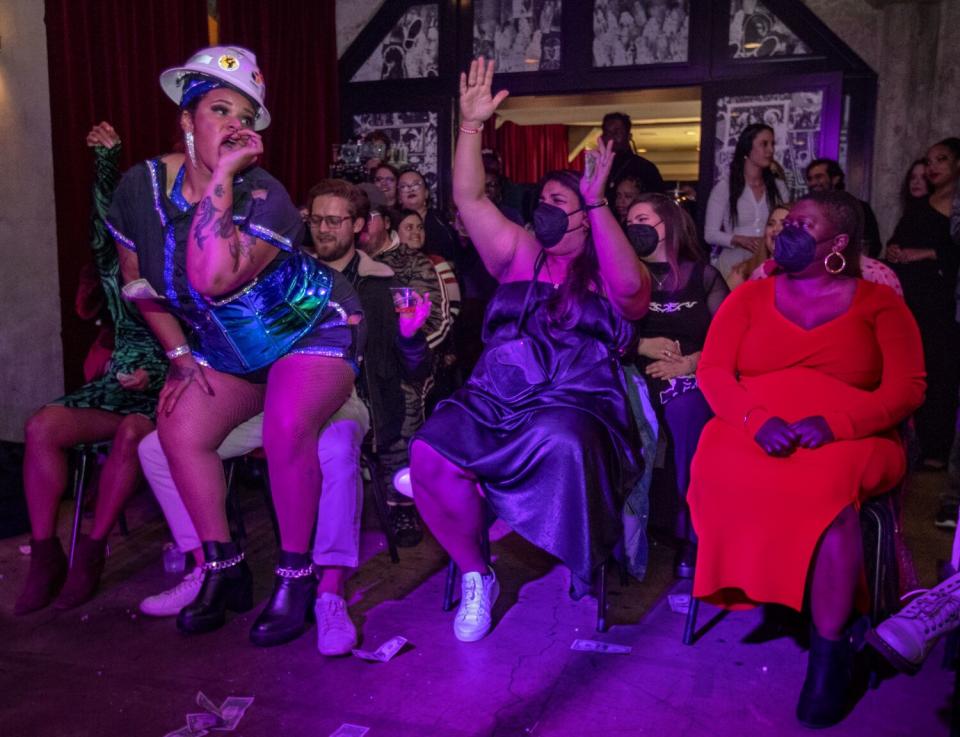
(878, 524)
(83, 455)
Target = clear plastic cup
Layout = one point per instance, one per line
(174, 561)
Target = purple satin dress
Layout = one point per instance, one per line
(544, 423)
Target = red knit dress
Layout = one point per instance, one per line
(759, 517)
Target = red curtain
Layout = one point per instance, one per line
(105, 58)
(296, 46)
(528, 151)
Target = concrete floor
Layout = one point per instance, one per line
(106, 670)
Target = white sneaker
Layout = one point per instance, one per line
(336, 634)
(169, 603)
(474, 617)
(908, 636)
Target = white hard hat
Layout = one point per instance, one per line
(233, 65)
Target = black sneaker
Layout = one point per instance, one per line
(946, 517)
(406, 526)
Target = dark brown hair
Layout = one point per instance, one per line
(358, 204)
(680, 233)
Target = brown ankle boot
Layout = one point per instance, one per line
(48, 568)
(83, 578)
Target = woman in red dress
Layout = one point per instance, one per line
(809, 374)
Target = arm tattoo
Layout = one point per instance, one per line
(205, 214)
(218, 190)
(241, 246)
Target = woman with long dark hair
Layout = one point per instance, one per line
(915, 188)
(541, 432)
(925, 259)
(686, 294)
(740, 202)
(208, 245)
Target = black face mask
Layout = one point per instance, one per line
(550, 224)
(644, 238)
(794, 249)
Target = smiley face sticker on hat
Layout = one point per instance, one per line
(228, 63)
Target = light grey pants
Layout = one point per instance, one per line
(337, 542)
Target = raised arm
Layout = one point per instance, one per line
(495, 236)
(626, 280)
(221, 258)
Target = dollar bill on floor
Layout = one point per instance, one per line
(350, 730)
(207, 705)
(203, 721)
(231, 712)
(385, 652)
(185, 731)
(679, 603)
(595, 646)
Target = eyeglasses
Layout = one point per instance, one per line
(409, 185)
(384, 180)
(332, 221)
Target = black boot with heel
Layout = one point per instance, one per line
(827, 693)
(284, 618)
(227, 584)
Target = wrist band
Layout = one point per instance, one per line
(180, 350)
(595, 205)
(464, 129)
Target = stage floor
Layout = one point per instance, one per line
(104, 669)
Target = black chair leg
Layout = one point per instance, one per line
(122, 521)
(448, 586)
(234, 511)
(690, 626)
(79, 487)
(485, 545)
(380, 502)
(268, 498)
(602, 599)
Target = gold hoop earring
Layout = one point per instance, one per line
(840, 268)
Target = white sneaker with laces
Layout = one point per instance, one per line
(169, 603)
(908, 636)
(478, 595)
(336, 634)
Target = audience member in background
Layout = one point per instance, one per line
(377, 138)
(412, 268)
(543, 427)
(809, 374)
(824, 175)
(915, 188)
(493, 186)
(628, 189)
(477, 288)
(743, 271)
(627, 163)
(686, 294)
(117, 408)
(521, 197)
(413, 194)
(385, 177)
(926, 260)
(740, 203)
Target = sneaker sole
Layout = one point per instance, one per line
(890, 654)
(951, 525)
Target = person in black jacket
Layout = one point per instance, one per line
(396, 348)
(626, 162)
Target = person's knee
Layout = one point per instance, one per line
(427, 469)
(339, 442)
(572, 429)
(287, 433)
(128, 436)
(44, 426)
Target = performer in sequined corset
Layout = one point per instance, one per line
(209, 250)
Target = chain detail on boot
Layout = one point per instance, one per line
(227, 585)
(294, 589)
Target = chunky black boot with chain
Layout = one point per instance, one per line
(227, 584)
(284, 618)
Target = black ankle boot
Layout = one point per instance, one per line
(294, 590)
(827, 692)
(227, 584)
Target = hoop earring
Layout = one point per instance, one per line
(191, 149)
(840, 268)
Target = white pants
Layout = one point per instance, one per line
(337, 541)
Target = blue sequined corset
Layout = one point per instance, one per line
(259, 324)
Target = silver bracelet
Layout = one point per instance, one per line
(180, 350)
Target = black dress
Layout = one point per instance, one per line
(928, 287)
(544, 424)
